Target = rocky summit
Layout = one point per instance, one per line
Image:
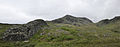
(25, 31)
(78, 21)
(108, 21)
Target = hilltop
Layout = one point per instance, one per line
(78, 21)
(109, 21)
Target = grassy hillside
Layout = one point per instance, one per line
(3, 27)
(65, 35)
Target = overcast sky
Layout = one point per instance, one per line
(22, 11)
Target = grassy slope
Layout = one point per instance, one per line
(64, 35)
(3, 27)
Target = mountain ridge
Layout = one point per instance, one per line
(40, 33)
(33, 26)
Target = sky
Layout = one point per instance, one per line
(23, 11)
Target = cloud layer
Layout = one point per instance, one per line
(22, 11)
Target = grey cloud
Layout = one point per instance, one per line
(22, 11)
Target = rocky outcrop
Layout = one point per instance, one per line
(108, 21)
(25, 31)
(78, 21)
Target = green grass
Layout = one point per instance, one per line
(3, 28)
(65, 35)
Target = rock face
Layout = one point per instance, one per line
(108, 21)
(25, 31)
(78, 21)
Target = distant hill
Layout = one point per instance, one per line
(78, 21)
(109, 21)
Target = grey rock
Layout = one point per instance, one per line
(25, 31)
